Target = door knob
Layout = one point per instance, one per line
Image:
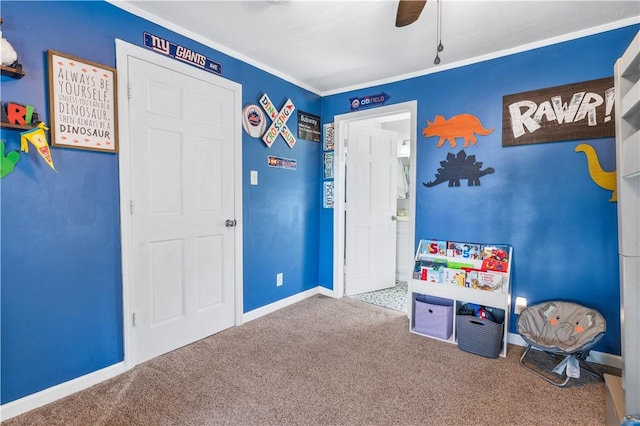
(230, 223)
(394, 218)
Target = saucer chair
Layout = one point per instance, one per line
(563, 330)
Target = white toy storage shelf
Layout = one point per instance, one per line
(627, 103)
(452, 296)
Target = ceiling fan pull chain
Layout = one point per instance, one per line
(439, 47)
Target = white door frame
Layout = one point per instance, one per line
(342, 123)
(123, 51)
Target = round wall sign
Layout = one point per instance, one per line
(254, 121)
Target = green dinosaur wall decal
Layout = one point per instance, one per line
(8, 161)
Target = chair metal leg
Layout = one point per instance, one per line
(586, 366)
(560, 384)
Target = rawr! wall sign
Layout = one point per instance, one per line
(563, 113)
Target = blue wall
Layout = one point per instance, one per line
(61, 307)
(61, 283)
(541, 199)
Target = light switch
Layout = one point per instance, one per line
(254, 177)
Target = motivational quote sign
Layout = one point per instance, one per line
(82, 103)
(575, 111)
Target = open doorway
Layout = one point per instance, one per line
(368, 213)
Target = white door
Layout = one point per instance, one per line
(372, 167)
(182, 150)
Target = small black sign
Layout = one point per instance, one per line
(308, 126)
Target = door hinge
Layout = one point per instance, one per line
(129, 91)
(132, 206)
(133, 319)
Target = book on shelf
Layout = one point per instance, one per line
(495, 265)
(429, 269)
(435, 257)
(428, 274)
(484, 280)
(496, 252)
(466, 250)
(454, 264)
(432, 275)
(435, 262)
(495, 258)
(455, 277)
(430, 248)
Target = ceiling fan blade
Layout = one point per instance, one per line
(409, 11)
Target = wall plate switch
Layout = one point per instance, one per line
(254, 177)
(279, 279)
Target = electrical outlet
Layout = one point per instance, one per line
(279, 279)
(521, 305)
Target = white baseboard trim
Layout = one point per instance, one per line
(602, 358)
(38, 399)
(326, 292)
(267, 309)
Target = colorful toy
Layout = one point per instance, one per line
(8, 55)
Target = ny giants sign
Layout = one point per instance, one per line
(181, 53)
(571, 112)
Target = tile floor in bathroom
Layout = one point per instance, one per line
(393, 298)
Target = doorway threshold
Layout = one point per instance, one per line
(392, 298)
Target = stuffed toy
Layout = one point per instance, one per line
(8, 55)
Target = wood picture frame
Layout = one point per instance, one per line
(83, 103)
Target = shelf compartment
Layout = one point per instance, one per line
(630, 156)
(630, 60)
(631, 102)
(482, 297)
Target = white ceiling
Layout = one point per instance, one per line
(333, 46)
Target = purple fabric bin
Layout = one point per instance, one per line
(433, 320)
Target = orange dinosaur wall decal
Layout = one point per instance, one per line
(459, 126)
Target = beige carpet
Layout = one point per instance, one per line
(327, 362)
